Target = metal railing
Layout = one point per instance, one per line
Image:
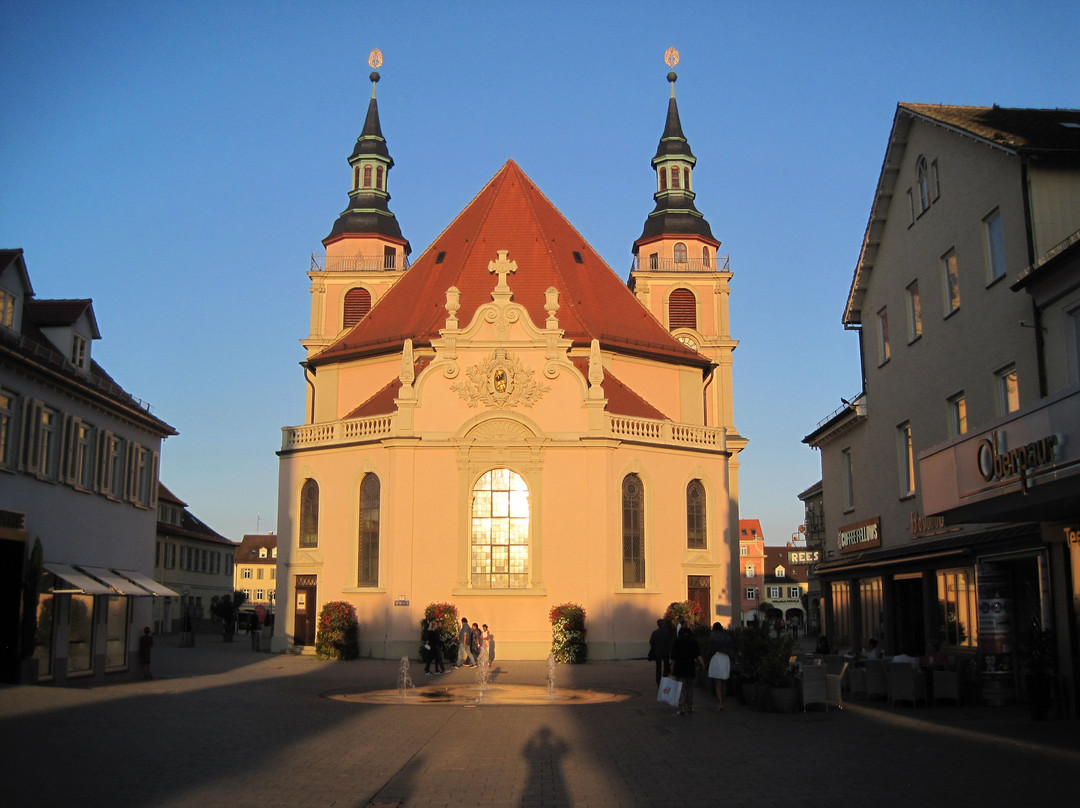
(359, 263)
(657, 264)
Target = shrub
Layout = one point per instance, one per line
(568, 633)
(338, 633)
(446, 615)
(690, 609)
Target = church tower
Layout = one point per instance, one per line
(679, 275)
(365, 251)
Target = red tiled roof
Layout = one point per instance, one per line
(750, 529)
(512, 214)
(382, 403)
(621, 400)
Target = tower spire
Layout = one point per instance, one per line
(367, 212)
(675, 212)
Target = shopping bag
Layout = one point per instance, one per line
(669, 692)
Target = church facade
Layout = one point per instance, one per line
(506, 425)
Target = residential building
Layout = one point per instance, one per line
(78, 471)
(814, 522)
(508, 426)
(751, 569)
(967, 405)
(785, 582)
(256, 571)
(190, 558)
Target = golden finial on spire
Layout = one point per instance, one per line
(671, 56)
(375, 59)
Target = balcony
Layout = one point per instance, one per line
(360, 263)
(658, 264)
(378, 427)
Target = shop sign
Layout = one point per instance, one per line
(922, 525)
(860, 536)
(798, 558)
(994, 465)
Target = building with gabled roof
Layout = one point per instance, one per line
(192, 559)
(949, 483)
(506, 425)
(751, 569)
(255, 572)
(79, 472)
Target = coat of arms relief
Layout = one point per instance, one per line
(499, 380)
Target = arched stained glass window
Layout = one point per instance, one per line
(309, 514)
(367, 573)
(357, 304)
(633, 532)
(499, 557)
(695, 515)
(682, 309)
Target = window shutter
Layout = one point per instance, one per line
(682, 309)
(357, 304)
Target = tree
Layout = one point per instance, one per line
(225, 607)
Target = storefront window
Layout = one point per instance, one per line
(81, 634)
(871, 609)
(44, 636)
(956, 608)
(116, 639)
(841, 612)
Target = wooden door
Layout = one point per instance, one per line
(699, 590)
(305, 613)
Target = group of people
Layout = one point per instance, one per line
(676, 652)
(476, 644)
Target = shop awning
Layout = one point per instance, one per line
(77, 583)
(147, 583)
(121, 585)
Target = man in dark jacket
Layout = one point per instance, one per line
(685, 657)
(660, 648)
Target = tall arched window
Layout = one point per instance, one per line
(705, 256)
(682, 309)
(680, 253)
(695, 515)
(367, 568)
(674, 177)
(499, 557)
(356, 177)
(309, 514)
(357, 304)
(686, 178)
(367, 176)
(924, 184)
(633, 531)
(663, 179)
(379, 178)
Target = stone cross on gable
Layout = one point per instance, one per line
(501, 267)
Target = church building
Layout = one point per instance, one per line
(506, 425)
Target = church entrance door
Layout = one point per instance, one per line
(699, 590)
(304, 613)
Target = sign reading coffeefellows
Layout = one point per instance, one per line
(859, 536)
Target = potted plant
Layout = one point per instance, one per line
(338, 633)
(568, 633)
(752, 645)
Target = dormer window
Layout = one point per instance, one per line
(78, 350)
(273, 553)
(367, 176)
(674, 178)
(262, 552)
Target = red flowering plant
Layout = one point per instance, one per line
(338, 634)
(568, 633)
(690, 609)
(446, 615)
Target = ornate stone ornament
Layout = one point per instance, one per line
(500, 380)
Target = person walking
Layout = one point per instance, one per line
(685, 657)
(487, 644)
(146, 645)
(433, 649)
(464, 641)
(660, 648)
(720, 650)
(475, 641)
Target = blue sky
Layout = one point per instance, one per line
(178, 162)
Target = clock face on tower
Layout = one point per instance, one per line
(688, 341)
